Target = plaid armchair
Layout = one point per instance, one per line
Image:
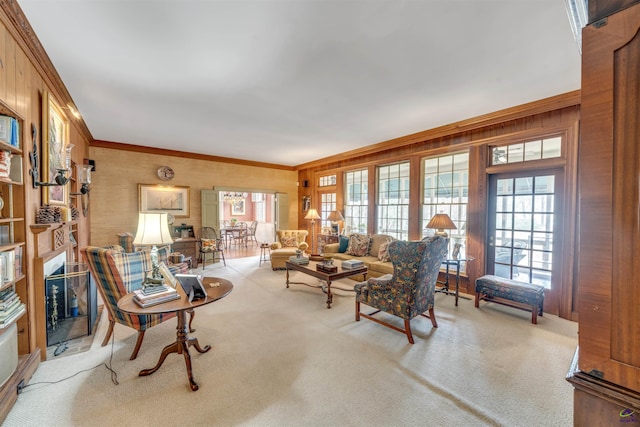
(117, 273)
(409, 292)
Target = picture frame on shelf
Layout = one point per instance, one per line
(238, 207)
(172, 200)
(55, 141)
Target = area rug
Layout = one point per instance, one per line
(279, 357)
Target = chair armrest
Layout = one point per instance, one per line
(303, 246)
(276, 245)
(377, 284)
(331, 248)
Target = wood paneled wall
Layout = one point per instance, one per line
(114, 195)
(25, 73)
(556, 115)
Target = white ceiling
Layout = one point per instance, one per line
(291, 81)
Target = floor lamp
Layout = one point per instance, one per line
(313, 215)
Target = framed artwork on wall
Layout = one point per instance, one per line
(306, 203)
(55, 150)
(238, 207)
(173, 200)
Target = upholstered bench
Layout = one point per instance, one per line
(525, 296)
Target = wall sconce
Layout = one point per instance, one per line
(84, 178)
(83, 173)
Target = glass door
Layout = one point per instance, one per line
(524, 242)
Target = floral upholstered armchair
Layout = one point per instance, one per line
(409, 292)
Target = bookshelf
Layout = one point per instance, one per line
(19, 362)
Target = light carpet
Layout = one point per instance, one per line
(281, 358)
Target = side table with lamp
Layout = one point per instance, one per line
(441, 222)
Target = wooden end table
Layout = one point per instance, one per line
(310, 269)
(216, 288)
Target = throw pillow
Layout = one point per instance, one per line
(344, 244)
(289, 242)
(208, 245)
(358, 244)
(383, 252)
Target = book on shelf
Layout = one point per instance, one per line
(11, 309)
(6, 294)
(9, 271)
(8, 301)
(14, 315)
(18, 263)
(10, 131)
(155, 301)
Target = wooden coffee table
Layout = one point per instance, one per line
(216, 287)
(310, 269)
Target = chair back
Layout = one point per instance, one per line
(285, 237)
(208, 233)
(116, 273)
(415, 270)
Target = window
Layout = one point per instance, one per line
(326, 181)
(446, 189)
(327, 204)
(356, 200)
(259, 208)
(526, 151)
(393, 200)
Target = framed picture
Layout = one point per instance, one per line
(168, 277)
(306, 203)
(237, 207)
(173, 200)
(55, 143)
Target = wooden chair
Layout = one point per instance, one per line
(210, 243)
(409, 292)
(251, 232)
(239, 237)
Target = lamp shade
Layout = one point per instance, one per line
(312, 214)
(335, 216)
(441, 222)
(153, 229)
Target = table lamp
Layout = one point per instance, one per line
(334, 217)
(153, 229)
(440, 222)
(313, 215)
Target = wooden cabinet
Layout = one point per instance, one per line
(188, 247)
(607, 368)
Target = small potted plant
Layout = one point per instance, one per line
(233, 221)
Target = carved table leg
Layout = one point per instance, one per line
(180, 346)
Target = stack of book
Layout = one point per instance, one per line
(300, 260)
(10, 307)
(327, 268)
(154, 295)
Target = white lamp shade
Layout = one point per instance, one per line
(312, 214)
(153, 229)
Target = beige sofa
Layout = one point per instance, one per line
(286, 244)
(376, 267)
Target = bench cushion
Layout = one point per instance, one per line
(503, 291)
